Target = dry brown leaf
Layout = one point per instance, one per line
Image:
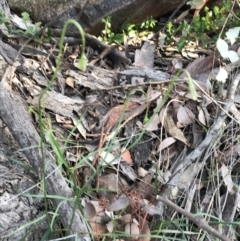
(200, 85)
(197, 134)
(133, 229)
(126, 218)
(153, 94)
(182, 15)
(201, 116)
(123, 112)
(153, 125)
(163, 115)
(98, 230)
(151, 210)
(68, 126)
(110, 226)
(80, 127)
(97, 206)
(126, 155)
(142, 172)
(227, 178)
(185, 116)
(144, 229)
(121, 203)
(59, 118)
(89, 211)
(172, 129)
(112, 182)
(200, 65)
(166, 143)
(197, 4)
(176, 105)
(70, 81)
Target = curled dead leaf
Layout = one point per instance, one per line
(172, 129)
(98, 230)
(133, 229)
(185, 115)
(89, 211)
(166, 143)
(110, 226)
(121, 112)
(126, 155)
(201, 116)
(121, 203)
(70, 81)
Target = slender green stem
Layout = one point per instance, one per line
(82, 65)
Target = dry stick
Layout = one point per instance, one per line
(235, 207)
(127, 86)
(200, 222)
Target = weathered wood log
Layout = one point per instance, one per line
(17, 210)
(14, 113)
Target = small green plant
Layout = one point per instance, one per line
(28, 30)
(127, 29)
(108, 35)
(149, 23)
(202, 27)
(3, 19)
(32, 29)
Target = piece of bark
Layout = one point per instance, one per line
(17, 210)
(144, 74)
(58, 103)
(94, 78)
(145, 57)
(14, 113)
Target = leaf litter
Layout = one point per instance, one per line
(138, 157)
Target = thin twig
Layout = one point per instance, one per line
(200, 222)
(173, 14)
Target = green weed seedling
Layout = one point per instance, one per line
(3, 19)
(202, 26)
(127, 29)
(33, 29)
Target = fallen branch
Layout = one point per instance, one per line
(14, 113)
(200, 222)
